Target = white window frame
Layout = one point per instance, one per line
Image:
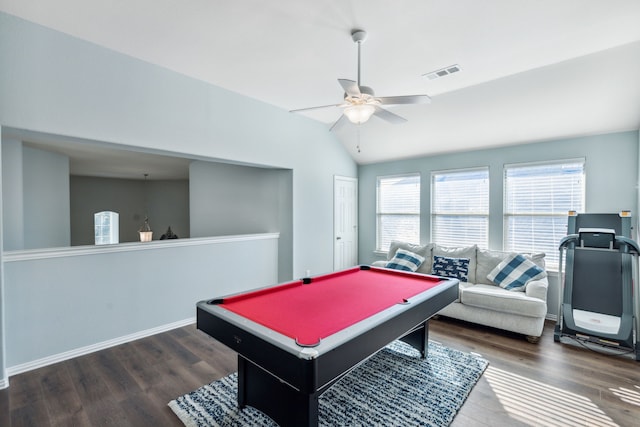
(469, 210)
(383, 238)
(557, 214)
(106, 234)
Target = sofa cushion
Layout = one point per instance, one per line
(538, 259)
(492, 297)
(514, 272)
(405, 260)
(461, 287)
(463, 252)
(422, 250)
(457, 268)
(487, 261)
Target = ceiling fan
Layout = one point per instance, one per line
(360, 102)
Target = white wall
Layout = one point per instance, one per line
(611, 169)
(56, 84)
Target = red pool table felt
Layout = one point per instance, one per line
(330, 303)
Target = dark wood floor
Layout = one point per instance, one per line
(130, 385)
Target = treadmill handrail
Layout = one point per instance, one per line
(627, 242)
(566, 240)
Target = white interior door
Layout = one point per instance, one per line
(345, 220)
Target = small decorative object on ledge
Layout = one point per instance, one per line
(145, 231)
(168, 235)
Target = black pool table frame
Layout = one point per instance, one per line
(285, 380)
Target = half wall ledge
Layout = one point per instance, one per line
(33, 254)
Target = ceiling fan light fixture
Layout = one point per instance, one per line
(360, 102)
(359, 113)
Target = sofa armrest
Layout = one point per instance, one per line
(379, 263)
(537, 289)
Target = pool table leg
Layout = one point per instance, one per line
(242, 380)
(282, 403)
(418, 338)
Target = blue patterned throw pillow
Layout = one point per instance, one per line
(457, 268)
(514, 272)
(405, 260)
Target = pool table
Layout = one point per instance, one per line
(296, 339)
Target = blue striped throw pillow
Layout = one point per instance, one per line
(514, 272)
(405, 260)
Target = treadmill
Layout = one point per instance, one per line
(599, 299)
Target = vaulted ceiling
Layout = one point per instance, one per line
(530, 70)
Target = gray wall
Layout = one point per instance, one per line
(45, 207)
(56, 84)
(35, 191)
(46, 199)
(4, 380)
(60, 85)
(165, 201)
(227, 199)
(231, 199)
(115, 291)
(611, 182)
(36, 197)
(12, 195)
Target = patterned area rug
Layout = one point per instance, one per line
(394, 387)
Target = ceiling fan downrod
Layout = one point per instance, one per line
(358, 36)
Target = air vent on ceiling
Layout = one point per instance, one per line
(442, 72)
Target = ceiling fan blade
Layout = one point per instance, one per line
(350, 87)
(389, 116)
(338, 123)
(314, 108)
(409, 99)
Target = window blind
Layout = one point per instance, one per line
(460, 207)
(537, 200)
(398, 210)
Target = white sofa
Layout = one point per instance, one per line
(482, 301)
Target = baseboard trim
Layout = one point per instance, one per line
(50, 360)
(4, 383)
(552, 317)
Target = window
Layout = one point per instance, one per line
(460, 207)
(106, 228)
(537, 198)
(397, 210)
